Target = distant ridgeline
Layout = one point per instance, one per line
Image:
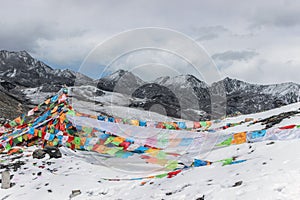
(163, 144)
(172, 92)
(20, 72)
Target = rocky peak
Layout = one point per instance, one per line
(21, 69)
(120, 81)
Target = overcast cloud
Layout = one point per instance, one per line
(256, 41)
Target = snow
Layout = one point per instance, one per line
(181, 81)
(244, 127)
(35, 96)
(112, 103)
(13, 74)
(270, 172)
(281, 89)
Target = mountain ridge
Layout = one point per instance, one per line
(187, 91)
(180, 96)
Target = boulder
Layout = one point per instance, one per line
(39, 154)
(53, 152)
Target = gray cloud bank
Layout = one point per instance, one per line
(62, 33)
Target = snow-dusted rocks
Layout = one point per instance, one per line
(185, 95)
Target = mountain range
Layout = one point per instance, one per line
(183, 96)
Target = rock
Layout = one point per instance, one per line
(201, 198)
(270, 143)
(39, 154)
(53, 152)
(5, 180)
(75, 193)
(239, 183)
(99, 93)
(248, 119)
(276, 119)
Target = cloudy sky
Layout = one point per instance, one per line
(256, 41)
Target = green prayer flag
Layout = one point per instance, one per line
(8, 147)
(40, 133)
(89, 148)
(77, 140)
(20, 138)
(109, 140)
(116, 143)
(52, 105)
(71, 112)
(87, 130)
(172, 164)
(13, 123)
(55, 143)
(70, 131)
(203, 124)
(227, 161)
(16, 141)
(169, 126)
(119, 154)
(113, 151)
(161, 175)
(226, 142)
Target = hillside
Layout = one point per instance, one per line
(258, 176)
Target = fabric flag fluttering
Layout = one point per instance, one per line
(161, 143)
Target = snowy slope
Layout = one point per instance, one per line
(245, 127)
(270, 172)
(85, 99)
(182, 81)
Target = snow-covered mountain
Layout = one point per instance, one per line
(289, 92)
(251, 98)
(184, 95)
(183, 81)
(120, 81)
(180, 96)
